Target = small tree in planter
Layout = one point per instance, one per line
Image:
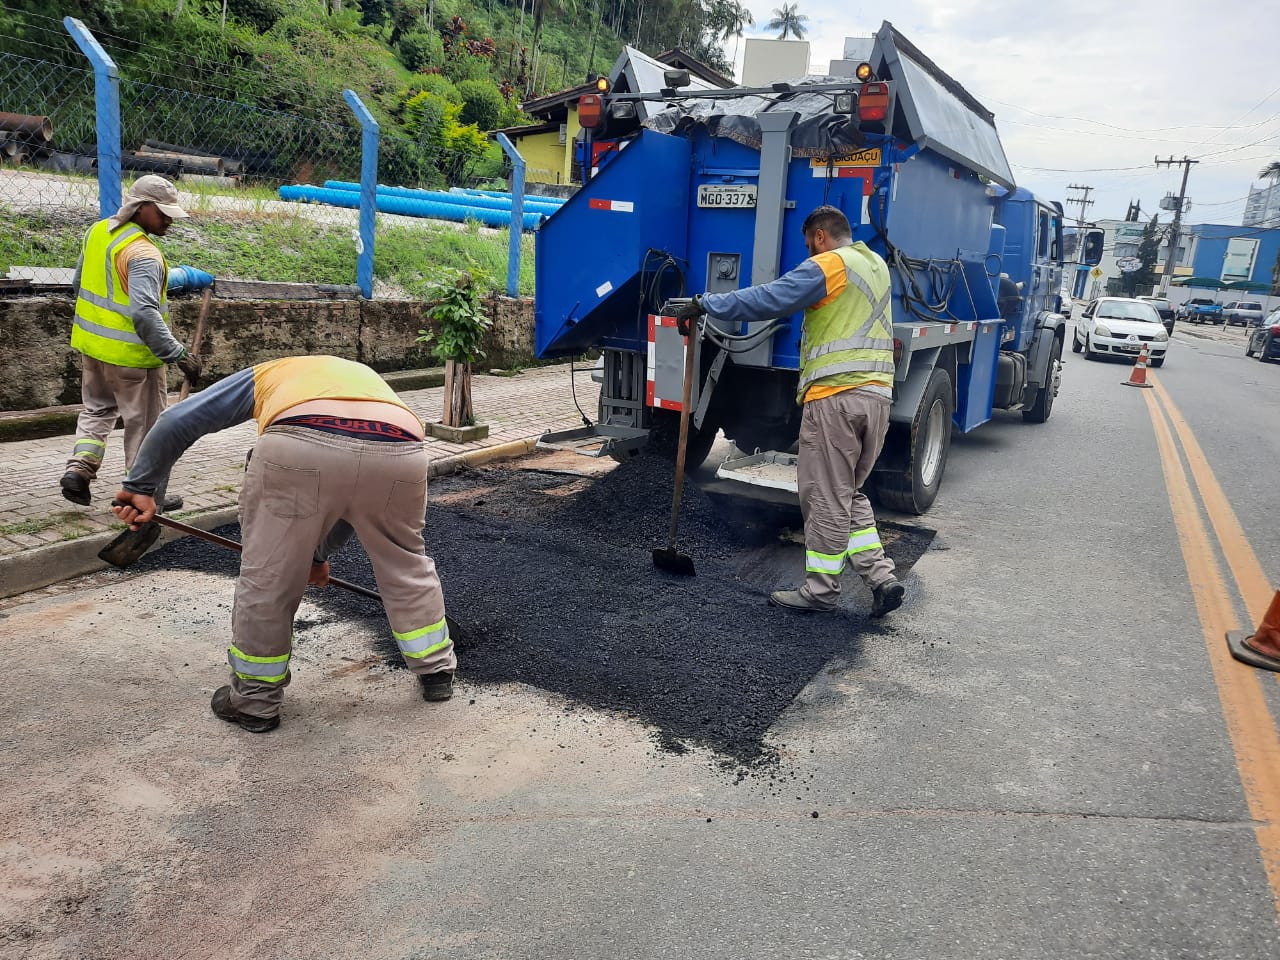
(462, 325)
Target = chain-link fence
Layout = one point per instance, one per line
(48, 141)
(230, 161)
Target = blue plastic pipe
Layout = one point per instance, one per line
(506, 194)
(411, 207)
(491, 203)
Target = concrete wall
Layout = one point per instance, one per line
(38, 368)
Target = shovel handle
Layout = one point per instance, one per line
(239, 548)
(185, 391)
(685, 403)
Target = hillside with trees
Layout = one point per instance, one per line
(444, 70)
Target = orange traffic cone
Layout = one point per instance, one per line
(1262, 649)
(1139, 376)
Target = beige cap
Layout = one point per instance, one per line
(150, 189)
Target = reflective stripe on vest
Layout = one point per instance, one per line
(259, 669)
(103, 326)
(425, 641)
(849, 341)
(862, 540)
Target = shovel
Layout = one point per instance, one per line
(129, 547)
(669, 558)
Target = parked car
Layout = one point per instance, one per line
(1264, 340)
(1119, 326)
(1201, 310)
(1164, 307)
(1247, 313)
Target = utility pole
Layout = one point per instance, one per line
(1085, 203)
(1186, 163)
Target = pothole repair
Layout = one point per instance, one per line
(550, 581)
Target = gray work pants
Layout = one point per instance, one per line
(136, 394)
(298, 484)
(840, 438)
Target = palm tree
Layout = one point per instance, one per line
(739, 19)
(789, 20)
(1271, 171)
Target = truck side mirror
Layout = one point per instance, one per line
(1093, 247)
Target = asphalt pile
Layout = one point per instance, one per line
(558, 590)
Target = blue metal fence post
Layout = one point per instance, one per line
(517, 214)
(368, 190)
(106, 83)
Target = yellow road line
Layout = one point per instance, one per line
(1254, 585)
(1253, 733)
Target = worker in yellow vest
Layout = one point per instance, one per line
(846, 389)
(122, 332)
(337, 452)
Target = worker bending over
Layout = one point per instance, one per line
(846, 388)
(336, 444)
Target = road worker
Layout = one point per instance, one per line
(120, 329)
(846, 388)
(338, 451)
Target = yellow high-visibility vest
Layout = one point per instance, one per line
(848, 340)
(103, 327)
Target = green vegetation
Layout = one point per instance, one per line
(262, 246)
(40, 524)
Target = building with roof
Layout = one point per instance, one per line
(547, 145)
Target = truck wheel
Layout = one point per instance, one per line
(914, 487)
(1043, 406)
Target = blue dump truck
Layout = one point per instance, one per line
(692, 191)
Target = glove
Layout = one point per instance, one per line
(686, 313)
(190, 366)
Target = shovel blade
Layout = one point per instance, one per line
(673, 561)
(130, 545)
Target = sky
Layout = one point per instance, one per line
(1091, 92)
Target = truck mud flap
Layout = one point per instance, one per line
(771, 469)
(599, 440)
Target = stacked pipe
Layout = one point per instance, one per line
(22, 135)
(457, 209)
(531, 204)
(536, 198)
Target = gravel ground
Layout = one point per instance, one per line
(549, 579)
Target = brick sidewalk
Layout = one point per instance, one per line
(208, 475)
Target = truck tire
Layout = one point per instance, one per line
(1040, 409)
(913, 488)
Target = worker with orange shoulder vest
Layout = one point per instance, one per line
(846, 389)
(121, 329)
(338, 452)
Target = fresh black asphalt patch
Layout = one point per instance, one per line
(550, 581)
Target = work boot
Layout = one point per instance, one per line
(221, 704)
(171, 504)
(887, 597)
(436, 687)
(797, 600)
(75, 486)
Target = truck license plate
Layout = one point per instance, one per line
(727, 195)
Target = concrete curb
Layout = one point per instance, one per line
(42, 566)
(18, 425)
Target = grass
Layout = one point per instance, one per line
(29, 527)
(254, 245)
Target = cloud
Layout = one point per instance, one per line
(1096, 85)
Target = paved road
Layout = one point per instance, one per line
(1045, 754)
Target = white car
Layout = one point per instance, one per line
(1120, 326)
